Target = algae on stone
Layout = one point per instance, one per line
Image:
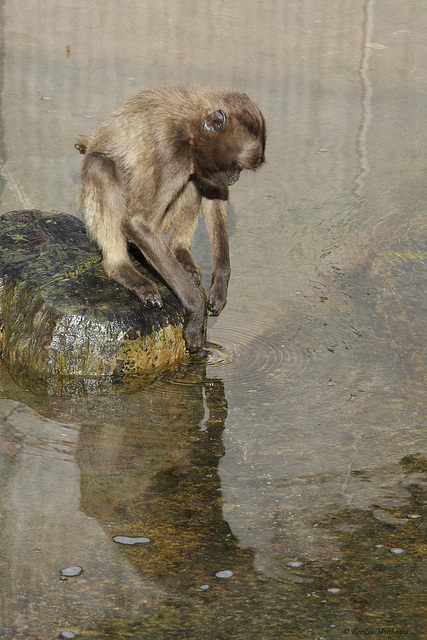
(63, 318)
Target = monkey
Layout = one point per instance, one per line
(166, 155)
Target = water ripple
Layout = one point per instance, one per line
(250, 352)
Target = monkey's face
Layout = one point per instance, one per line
(227, 146)
(226, 177)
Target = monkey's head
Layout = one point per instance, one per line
(230, 139)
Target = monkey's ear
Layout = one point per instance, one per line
(216, 121)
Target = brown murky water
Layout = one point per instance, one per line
(295, 458)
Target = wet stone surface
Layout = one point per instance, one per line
(224, 574)
(71, 572)
(62, 320)
(130, 541)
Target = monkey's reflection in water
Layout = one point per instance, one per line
(155, 474)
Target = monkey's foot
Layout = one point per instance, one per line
(195, 274)
(140, 286)
(193, 339)
(148, 294)
(185, 259)
(194, 330)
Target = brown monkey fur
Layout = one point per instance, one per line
(166, 154)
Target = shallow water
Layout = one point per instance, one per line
(302, 438)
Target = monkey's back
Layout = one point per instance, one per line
(160, 120)
(149, 121)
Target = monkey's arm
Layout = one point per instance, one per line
(184, 213)
(216, 217)
(151, 243)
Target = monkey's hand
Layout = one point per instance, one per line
(217, 298)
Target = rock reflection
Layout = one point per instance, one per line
(148, 473)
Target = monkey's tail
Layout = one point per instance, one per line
(81, 143)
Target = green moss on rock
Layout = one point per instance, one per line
(63, 319)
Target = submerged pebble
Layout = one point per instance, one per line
(397, 551)
(334, 590)
(70, 572)
(127, 540)
(294, 564)
(224, 574)
(67, 634)
(204, 587)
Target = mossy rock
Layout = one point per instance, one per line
(63, 319)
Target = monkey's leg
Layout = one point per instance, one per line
(216, 217)
(103, 205)
(184, 215)
(158, 254)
